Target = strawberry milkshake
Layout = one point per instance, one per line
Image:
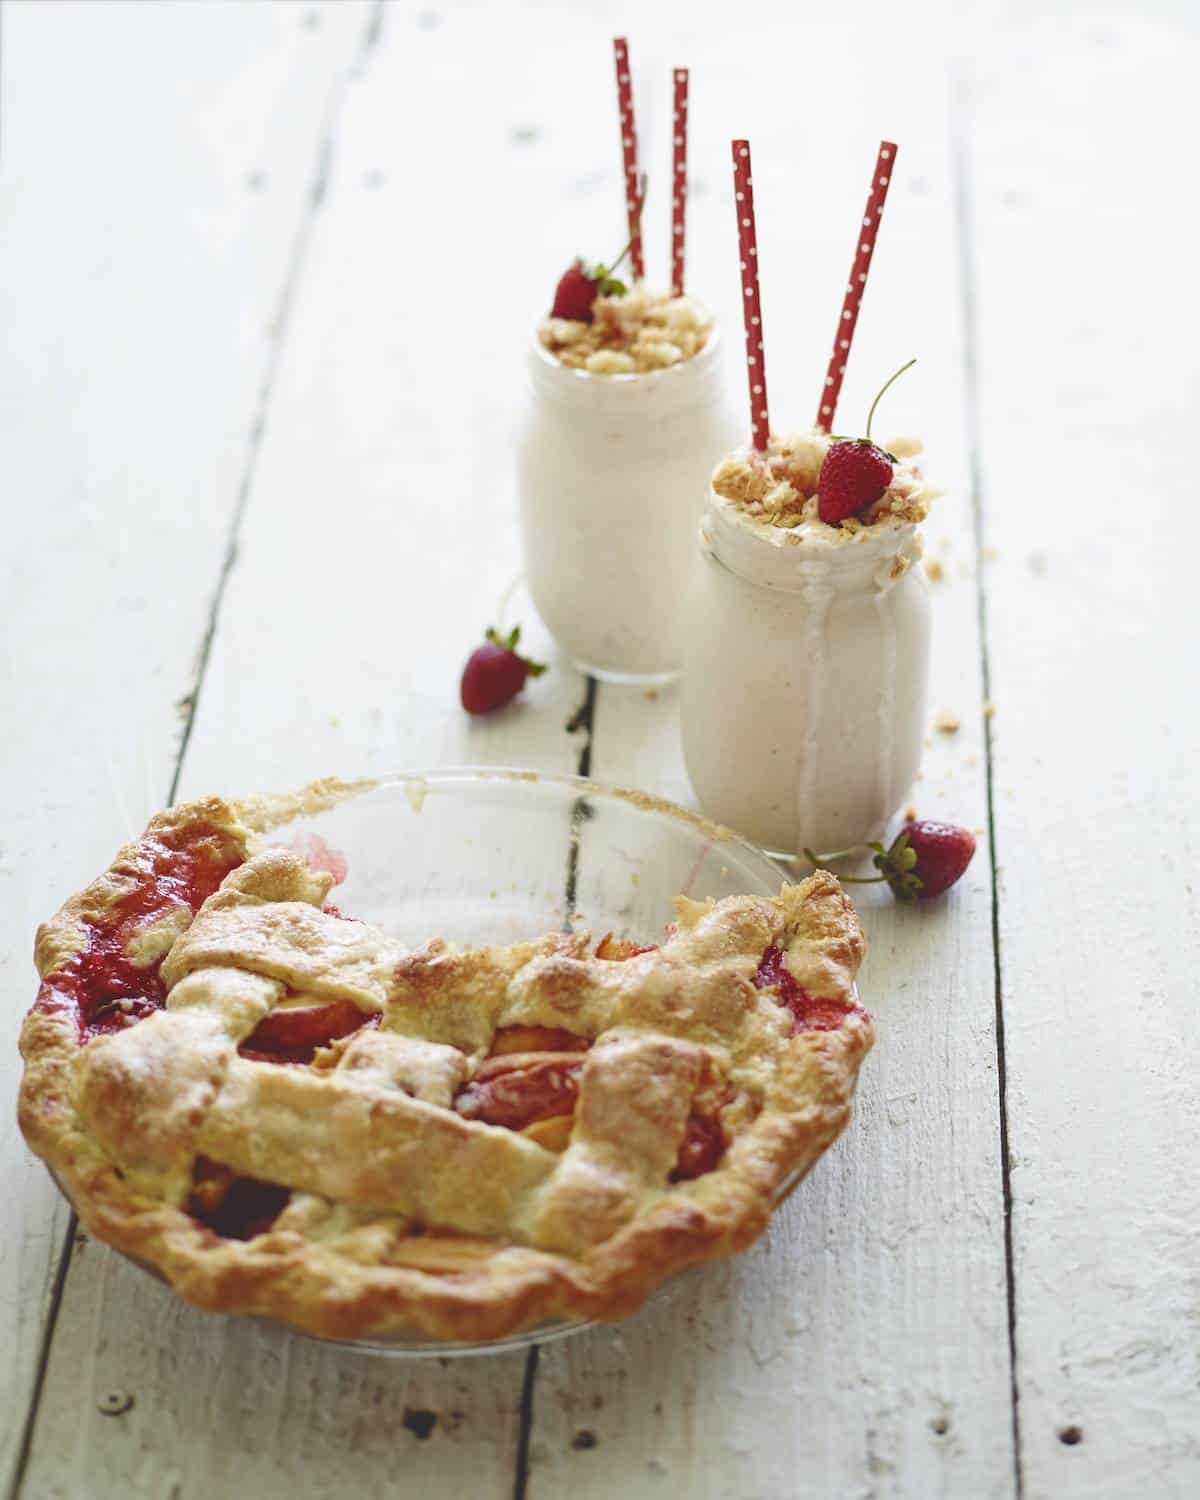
(628, 415)
(807, 631)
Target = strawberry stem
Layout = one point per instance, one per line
(823, 859)
(510, 642)
(633, 233)
(889, 382)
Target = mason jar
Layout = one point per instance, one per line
(610, 469)
(805, 678)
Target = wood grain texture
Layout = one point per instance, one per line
(156, 161)
(1088, 387)
(146, 1396)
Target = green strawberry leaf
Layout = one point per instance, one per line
(510, 642)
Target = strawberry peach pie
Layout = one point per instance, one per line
(286, 1112)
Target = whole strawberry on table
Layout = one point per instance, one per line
(924, 859)
(496, 672)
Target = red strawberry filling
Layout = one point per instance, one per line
(809, 1012)
(702, 1147)
(321, 856)
(100, 986)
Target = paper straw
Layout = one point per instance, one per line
(629, 154)
(679, 180)
(743, 194)
(858, 280)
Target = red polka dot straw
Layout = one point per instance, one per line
(679, 179)
(743, 195)
(865, 248)
(629, 154)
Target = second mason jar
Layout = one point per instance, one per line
(805, 677)
(609, 471)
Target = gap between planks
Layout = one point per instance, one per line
(583, 718)
(964, 210)
(297, 256)
(279, 327)
(25, 1448)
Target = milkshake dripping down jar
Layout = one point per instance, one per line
(805, 678)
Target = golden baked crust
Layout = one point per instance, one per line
(702, 1078)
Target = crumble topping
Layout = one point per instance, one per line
(630, 334)
(779, 487)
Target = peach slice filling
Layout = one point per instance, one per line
(295, 1034)
(510, 1039)
(519, 1089)
(617, 950)
(530, 1084)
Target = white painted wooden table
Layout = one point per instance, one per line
(265, 274)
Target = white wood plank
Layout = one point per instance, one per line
(1089, 388)
(862, 1348)
(156, 161)
(224, 1406)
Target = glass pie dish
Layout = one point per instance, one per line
(489, 856)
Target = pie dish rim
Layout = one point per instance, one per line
(619, 1305)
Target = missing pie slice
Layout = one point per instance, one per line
(285, 1112)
